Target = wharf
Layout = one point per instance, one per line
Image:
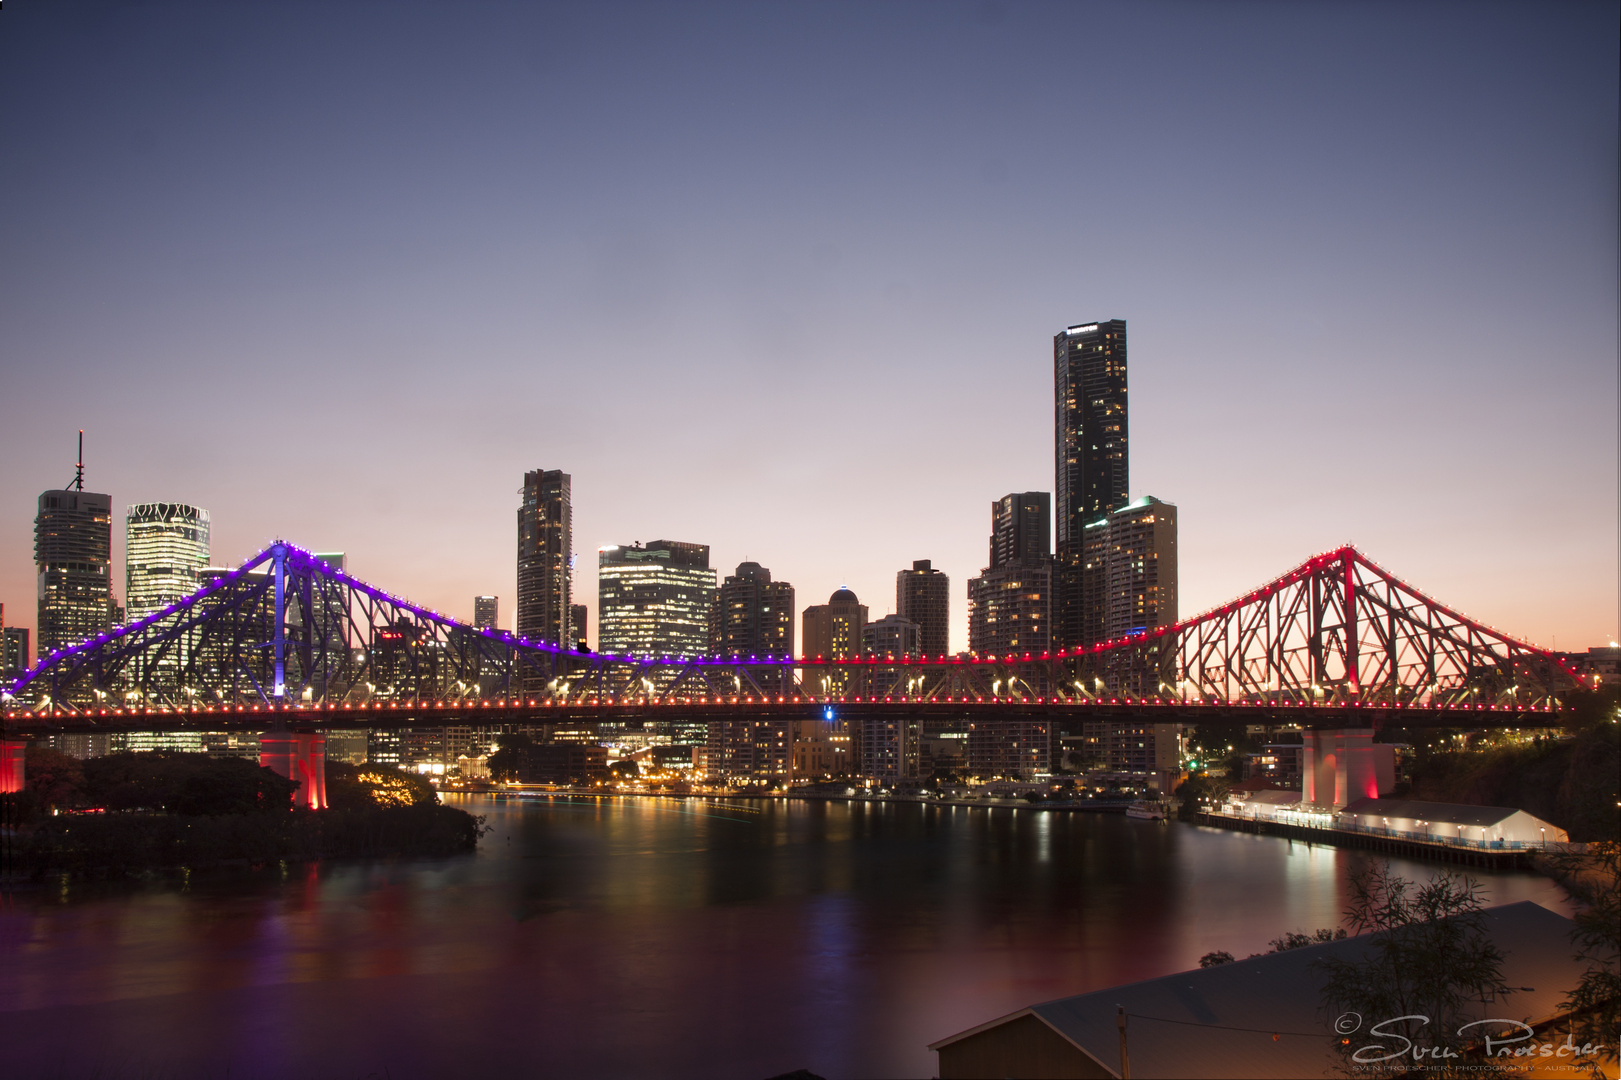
(1486, 858)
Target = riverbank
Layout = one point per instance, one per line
(1101, 806)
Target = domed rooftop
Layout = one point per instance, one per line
(843, 596)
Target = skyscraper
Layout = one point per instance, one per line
(654, 600)
(487, 612)
(1021, 527)
(923, 595)
(1092, 473)
(834, 628)
(754, 616)
(545, 551)
(1010, 609)
(13, 649)
(1010, 604)
(73, 541)
(577, 619)
(1131, 554)
(165, 549)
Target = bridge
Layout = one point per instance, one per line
(289, 640)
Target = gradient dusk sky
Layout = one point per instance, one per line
(783, 279)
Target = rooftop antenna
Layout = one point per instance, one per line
(78, 476)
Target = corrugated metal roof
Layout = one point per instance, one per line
(1439, 812)
(1262, 1018)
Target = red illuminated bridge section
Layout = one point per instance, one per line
(288, 639)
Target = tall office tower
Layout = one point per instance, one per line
(73, 541)
(165, 549)
(1091, 452)
(578, 616)
(923, 594)
(754, 616)
(834, 628)
(1021, 527)
(1010, 604)
(545, 548)
(654, 600)
(487, 612)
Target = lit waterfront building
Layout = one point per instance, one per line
(923, 595)
(487, 612)
(73, 562)
(545, 554)
(654, 600)
(165, 549)
(1010, 749)
(13, 649)
(1092, 467)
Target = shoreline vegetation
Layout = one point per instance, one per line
(139, 813)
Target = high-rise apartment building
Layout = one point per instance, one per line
(834, 628)
(753, 616)
(13, 650)
(545, 554)
(14, 658)
(923, 595)
(1021, 527)
(1010, 604)
(1130, 559)
(1130, 587)
(893, 635)
(1092, 473)
(654, 600)
(73, 540)
(165, 551)
(487, 612)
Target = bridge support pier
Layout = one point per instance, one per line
(1339, 766)
(13, 776)
(301, 756)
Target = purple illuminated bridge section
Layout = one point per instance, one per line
(288, 638)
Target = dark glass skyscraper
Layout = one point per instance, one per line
(545, 552)
(1093, 462)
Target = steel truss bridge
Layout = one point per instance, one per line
(288, 639)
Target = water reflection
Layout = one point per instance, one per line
(654, 937)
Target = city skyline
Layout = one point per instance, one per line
(1316, 285)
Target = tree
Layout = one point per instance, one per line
(1211, 959)
(365, 787)
(181, 783)
(1429, 958)
(53, 778)
(1595, 1003)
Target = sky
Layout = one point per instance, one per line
(783, 279)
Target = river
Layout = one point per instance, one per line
(623, 937)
